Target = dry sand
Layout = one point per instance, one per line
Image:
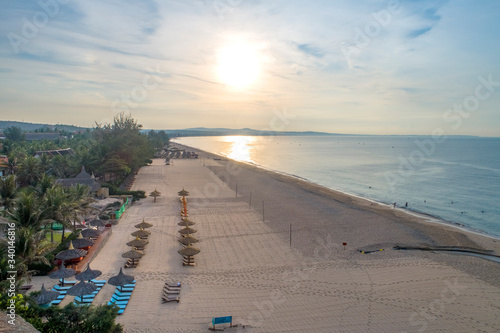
(248, 269)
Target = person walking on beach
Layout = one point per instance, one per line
(394, 205)
(406, 205)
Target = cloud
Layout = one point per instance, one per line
(419, 32)
(93, 52)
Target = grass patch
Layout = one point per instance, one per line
(57, 236)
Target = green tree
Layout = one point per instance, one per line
(27, 210)
(30, 171)
(31, 248)
(121, 141)
(59, 207)
(7, 192)
(14, 133)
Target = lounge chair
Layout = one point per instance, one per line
(122, 294)
(59, 288)
(170, 299)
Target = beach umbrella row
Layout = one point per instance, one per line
(138, 242)
(186, 239)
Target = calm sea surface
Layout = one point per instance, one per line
(457, 180)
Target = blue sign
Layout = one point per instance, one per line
(222, 320)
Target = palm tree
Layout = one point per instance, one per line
(30, 171)
(7, 192)
(45, 183)
(26, 210)
(31, 248)
(59, 207)
(82, 197)
(12, 164)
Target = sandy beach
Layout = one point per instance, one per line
(272, 280)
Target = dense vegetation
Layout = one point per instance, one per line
(30, 198)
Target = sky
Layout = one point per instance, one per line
(354, 67)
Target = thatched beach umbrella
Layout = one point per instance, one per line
(137, 242)
(88, 274)
(46, 296)
(133, 254)
(81, 289)
(120, 279)
(189, 251)
(184, 193)
(62, 273)
(97, 223)
(143, 225)
(155, 194)
(71, 253)
(188, 240)
(80, 242)
(141, 233)
(187, 231)
(186, 222)
(90, 232)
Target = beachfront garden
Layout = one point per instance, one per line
(32, 201)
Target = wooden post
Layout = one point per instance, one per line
(263, 219)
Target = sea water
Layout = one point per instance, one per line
(456, 179)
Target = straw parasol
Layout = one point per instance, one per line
(46, 296)
(88, 274)
(187, 231)
(71, 253)
(97, 223)
(189, 251)
(82, 288)
(186, 223)
(80, 242)
(137, 242)
(90, 232)
(133, 254)
(143, 225)
(141, 233)
(120, 279)
(184, 193)
(62, 273)
(188, 240)
(155, 194)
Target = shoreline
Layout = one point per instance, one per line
(422, 216)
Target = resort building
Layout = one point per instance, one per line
(85, 178)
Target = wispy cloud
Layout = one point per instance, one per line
(418, 61)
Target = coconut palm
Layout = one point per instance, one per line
(59, 206)
(7, 192)
(26, 210)
(30, 171)
(31, 248)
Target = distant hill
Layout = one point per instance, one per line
(202, 131)
(28, 127)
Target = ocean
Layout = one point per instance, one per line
(455, 179)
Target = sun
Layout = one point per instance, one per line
(238, 65)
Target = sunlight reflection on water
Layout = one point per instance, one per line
(240, 148)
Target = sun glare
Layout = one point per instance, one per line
(238, 65)
(241, 148)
